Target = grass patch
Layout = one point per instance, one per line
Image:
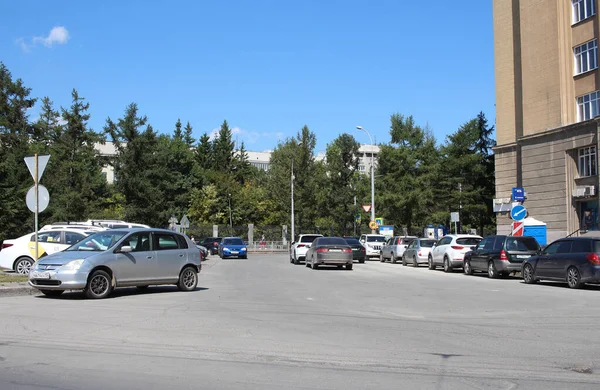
(8, 278)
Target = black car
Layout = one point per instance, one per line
(358, 250)
(574, 260)
(500, 255)
(211, 243)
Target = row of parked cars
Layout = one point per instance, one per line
(574, 260)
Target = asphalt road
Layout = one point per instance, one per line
(264, 323)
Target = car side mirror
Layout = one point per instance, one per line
(293, 242)
(125, 249)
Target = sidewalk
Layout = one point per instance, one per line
(14, 285)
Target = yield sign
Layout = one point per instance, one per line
(366, 207)
(42, 161)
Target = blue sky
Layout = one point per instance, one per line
(267, 66)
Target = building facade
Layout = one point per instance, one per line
(547, 104)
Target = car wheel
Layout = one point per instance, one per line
(23, 265)
(404, 260)
(467, 268)
(393, 259)
(415, 262)
(430, 263)
(52, 293)
(381, 258)
(349, 267)
(99, 285)
(574, 277)
(296, 259)
(492, 272)
(361, 261)
(188, 279)
(528, 275)
(447, 266)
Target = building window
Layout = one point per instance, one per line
(583, 9)
(586, 57)
(588, 106)
(587, 161)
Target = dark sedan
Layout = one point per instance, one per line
(329, 251)
(573, 260)
(212, 244)
(358, 250)
(500, 255)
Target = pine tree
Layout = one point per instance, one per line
(188, 136)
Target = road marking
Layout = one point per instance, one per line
(310, 299)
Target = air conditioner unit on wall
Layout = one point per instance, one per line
(589, 190)
(584, 191)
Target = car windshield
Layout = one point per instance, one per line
(427, 243)
(233, 241)
(98, 241)
(332, 241)
(522, 244)
(308, 238)
(375, 238)
(468, 241)
(352, 241)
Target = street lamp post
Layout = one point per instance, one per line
(292, 195)
(230, 219)
(372, 177)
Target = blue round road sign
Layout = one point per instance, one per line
(518, 213)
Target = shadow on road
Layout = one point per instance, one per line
(122, 292)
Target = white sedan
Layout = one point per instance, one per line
(18, 254)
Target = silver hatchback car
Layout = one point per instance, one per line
(119, 258)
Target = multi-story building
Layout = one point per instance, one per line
(547, 103)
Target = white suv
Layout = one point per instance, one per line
(372, 244)
(450, 250)
(300, 247)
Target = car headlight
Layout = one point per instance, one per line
(243, 249)
(73, 265)
(225, 249)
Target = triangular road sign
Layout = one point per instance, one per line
(42, 162)
(366, 207)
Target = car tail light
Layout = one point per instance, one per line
(362, 249)
(322, 250)
(347, 250)
(458, 247)
(215, 243)
(201, 256)
(593, 258)
(6, 246)
(419, 253)
(503, 255)
(300, 246)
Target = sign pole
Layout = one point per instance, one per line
(37, 207)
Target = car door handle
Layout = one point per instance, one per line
(148, 257)
(181, 255)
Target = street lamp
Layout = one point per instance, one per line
(292, 195)
(372, 177)
(230, 219)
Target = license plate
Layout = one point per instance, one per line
(523, 256)
(234, 252)
(356, 249)
(40, 275)
(335, 250)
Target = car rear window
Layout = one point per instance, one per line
(233, 241)
(406, 241)
(308, 238)
(354, 241)
(581, 246)
(332, 241)
(427, 243)
(522, 244)
(375, 238)
(468, 241)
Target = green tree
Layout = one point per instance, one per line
(188, 136)
(223, 149)
(15, 130)
(136, 167)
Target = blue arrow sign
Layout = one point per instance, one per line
(518, 213)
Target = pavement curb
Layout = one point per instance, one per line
(16, 289)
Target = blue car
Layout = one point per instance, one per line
(233, 247)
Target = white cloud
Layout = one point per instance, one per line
(59, 35)
(248, 137)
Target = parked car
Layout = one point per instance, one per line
(394, 248)
(418, 251)
(574, 260)
(449, 251)
(329, 251)
(19, 254)
(301, 246)
(212, 244)
(119, 258)
(358, 250)
(203, 252)
(233, 247)
(500, 255)
(372, 244)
